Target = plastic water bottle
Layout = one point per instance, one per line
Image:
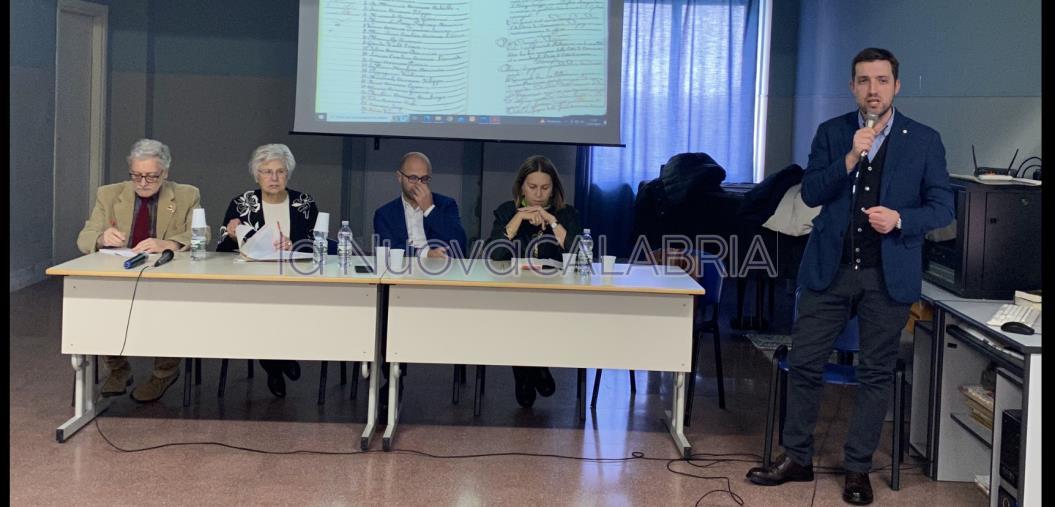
(585, 255)
(197, 243)
(344, 244)
(319, 248)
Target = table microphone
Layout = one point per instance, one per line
(166, 256)
(135, 261)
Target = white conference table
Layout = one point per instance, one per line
(221, 307)
(474, 313)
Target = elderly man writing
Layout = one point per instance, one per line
(146, 214)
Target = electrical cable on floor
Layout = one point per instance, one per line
(713, 458)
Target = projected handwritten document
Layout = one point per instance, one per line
(462, 61)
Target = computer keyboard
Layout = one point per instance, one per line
(1014, 313)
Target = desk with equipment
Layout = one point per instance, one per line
(220, 307)
(984, 402)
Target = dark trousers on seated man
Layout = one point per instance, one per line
(822, 317)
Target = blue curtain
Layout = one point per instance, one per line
(688, 86)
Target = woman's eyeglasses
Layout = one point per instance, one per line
(267, 173)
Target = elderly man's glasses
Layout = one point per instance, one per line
(415, 178)
(267, 173)
(151, 178)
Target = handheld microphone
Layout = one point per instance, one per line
(166, 256)
(870, 122)
(135, 261)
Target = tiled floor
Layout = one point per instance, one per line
(435, 462)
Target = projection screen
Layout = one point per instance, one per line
(505, 70)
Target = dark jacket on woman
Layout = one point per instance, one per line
(566, 217)
(249, 208)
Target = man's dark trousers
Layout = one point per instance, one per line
(822, 315)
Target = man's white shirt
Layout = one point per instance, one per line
(415, 218)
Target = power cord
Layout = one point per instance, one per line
(1021, 171)
(713, 458)
(135, 288)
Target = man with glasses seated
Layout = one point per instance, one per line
(420, 221)
(147, 214)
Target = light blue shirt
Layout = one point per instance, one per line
(881, 136)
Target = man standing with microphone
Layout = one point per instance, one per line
(881, 181)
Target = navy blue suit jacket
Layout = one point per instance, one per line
(443, 224)
(915, 183)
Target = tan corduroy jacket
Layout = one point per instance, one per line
(115, 203)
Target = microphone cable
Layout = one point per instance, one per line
(131, 303)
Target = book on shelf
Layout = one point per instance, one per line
(979, 395)
(983, 418)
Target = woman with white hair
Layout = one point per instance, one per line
(291, 212)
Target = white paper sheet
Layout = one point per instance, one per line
(261, 247)
(120, 252)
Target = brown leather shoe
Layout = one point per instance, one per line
(153, 389)
(784, 469)
(116, 382)
(857, 489)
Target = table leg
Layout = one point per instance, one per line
(371, 401)
(393, 406)
(676, 417)
(85, 406)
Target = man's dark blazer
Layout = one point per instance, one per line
(914, 183)
(443, 224)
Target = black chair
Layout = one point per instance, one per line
(840, 372)
(322, 378)
(704, 268)
(481, 378)
(459, 380)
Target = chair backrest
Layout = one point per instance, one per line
(710, 277)
(849, 339)
(702, 266)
